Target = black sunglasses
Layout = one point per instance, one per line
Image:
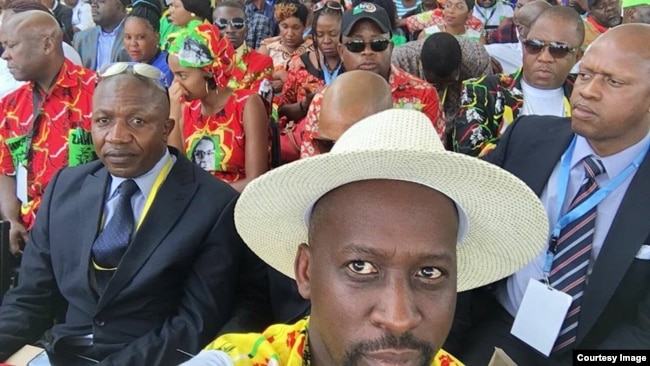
(377, 45)
(237, 23)
(556, 49)
(323, 145)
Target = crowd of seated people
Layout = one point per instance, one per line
(129, 130)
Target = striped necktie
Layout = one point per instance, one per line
(569, 271)
(110, 245)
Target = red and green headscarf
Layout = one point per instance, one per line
(203, 47)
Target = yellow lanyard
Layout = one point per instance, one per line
(444, 96)
(154, 190)
(567, 107)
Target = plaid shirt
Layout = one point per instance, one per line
(506, 33)
(259, 28)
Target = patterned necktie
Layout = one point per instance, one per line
(110, 245)
(569, 271)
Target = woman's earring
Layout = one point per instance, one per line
(193, 15)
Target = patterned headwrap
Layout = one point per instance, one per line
(203, 47)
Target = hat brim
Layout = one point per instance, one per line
(507, 224)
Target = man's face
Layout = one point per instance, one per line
(106, 12)
(611, 96)
(637, 14)
(204, 154)
(368, 59)
(380, 271)
(232, 19)
(22, 51)
(486, 3)
(541, 69)
(129, 130)
(607, 12)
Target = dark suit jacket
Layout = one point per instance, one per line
(85, 42)
(616, 304)
(63, 14)
(174, 288)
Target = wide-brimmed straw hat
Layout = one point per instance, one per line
(502, 224)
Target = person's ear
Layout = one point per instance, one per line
(48, 45)
(579, 54)
(168, 127)
(301, 269)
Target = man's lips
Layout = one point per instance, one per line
(393, 357)
(582, 111)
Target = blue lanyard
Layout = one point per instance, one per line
(329, 77)
(485, 16)
(586, 205)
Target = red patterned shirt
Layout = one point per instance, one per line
(62, 136)
(409, 92)
(252, 71)
(434, 17)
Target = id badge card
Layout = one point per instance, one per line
(21, 184)
(540, 316)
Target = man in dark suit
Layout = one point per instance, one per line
(63, 14)
(136, 255)
(605, 264)
(102, 44)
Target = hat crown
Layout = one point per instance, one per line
(393, 129)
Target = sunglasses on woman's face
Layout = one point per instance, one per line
(323, 145)
(236, 23)
(377, 45)
(556, 49)
(333, 5)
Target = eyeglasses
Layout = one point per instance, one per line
(556, 49)
(333, 5)
(140, 69)
(323, 145)
(377, 45)
(237, 23)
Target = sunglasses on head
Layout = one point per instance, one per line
(377, 45)
(333, 5)
(236, 23)
(136, 68)
(556, 49)
(323, 145)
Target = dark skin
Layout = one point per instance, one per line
(130, 124)
(380, 271)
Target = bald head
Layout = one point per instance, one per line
(528, 13)
(353, 96)
(629, 39)
(37, 51)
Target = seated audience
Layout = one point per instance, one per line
(603, 14)
(56, 136)
(141, 35)
(292, 19)
(416, 23)
(491, 13)
(312, 70)
(507, 31)
(102, 44)
(591, 172)
(224, 131)
(150, 271)
(259, 26)
(185, 14)
(365, 45)
(253, 70)
(541, 87)
(636, 11)
(510, 55)
(381, 269)
(455, 15)
(82, 17)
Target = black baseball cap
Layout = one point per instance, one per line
(365, 11)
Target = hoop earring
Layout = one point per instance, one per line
(207, 89)
(193, 15)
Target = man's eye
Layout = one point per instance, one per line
(429, 272)
(102, 120)
(137, 121)
(362, 267)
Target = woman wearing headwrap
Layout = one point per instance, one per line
(292, 20)
(224, 131)
(141, 36)
(187, 14)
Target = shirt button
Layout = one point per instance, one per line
(99, 322)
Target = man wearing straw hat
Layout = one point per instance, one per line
(380, 243)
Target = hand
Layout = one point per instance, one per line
(177, 93)
(17, 238)
(277, 85)
(309, 95)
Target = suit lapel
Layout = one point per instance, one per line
(117, 44)
(625, 237)
(90, 210)
(168, 206)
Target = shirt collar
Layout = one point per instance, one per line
(614, 164)
(67, 77)
(113, 32)
(397, 78)
(146, 181)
